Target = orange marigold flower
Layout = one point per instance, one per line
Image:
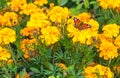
(15, 5)
(84, 16)
(30, 31)
(27, 46)
(9, 19)
(117, 69)
(7, 36)
(9, 61)
(98, 71)
(25, 75)
(103, 38)
(51, 5)
(62, 66)
(117, 41)
(108, 50)
(4, 54)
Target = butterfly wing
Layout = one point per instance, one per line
(86, 26)
(78, 23)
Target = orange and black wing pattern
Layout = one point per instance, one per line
(80, 25)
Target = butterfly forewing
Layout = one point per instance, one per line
(77, 23)
(80, 25)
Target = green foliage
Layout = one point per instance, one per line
(62, 2)
(75, 56)
(3, 3)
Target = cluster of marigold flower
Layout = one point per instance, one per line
(110, 4)
(47, 23)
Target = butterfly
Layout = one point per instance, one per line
(80, 25)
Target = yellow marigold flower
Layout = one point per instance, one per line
(38, 23)
(114, 4)
(27, 46)
(98, 71)
(38, 19)
(117, 41)
(62, 66)
(29, 9)
(84, 16)
(105, 3)
(108, 50)
(9, 19)
(4, 54)
(30, 31)
(58, 14)
(15, 5)
(38, 16)
(107, 30)
(83, 35)
(40, 2)
(7, 36)
(50, 35)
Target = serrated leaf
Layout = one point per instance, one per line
(62, 2)
(34, 70)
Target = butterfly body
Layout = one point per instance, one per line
(80, 25)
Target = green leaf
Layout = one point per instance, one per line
(5, 76)
(51, 67)
(71, 67)
(34, 70)
(47, 72)
(71, 76)
(79, 72)
(77, 2)
(22, 73)
(51, 77)
(93, 2)
(86, 4)
(74, 11)
(79, 6)
(62, 2)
